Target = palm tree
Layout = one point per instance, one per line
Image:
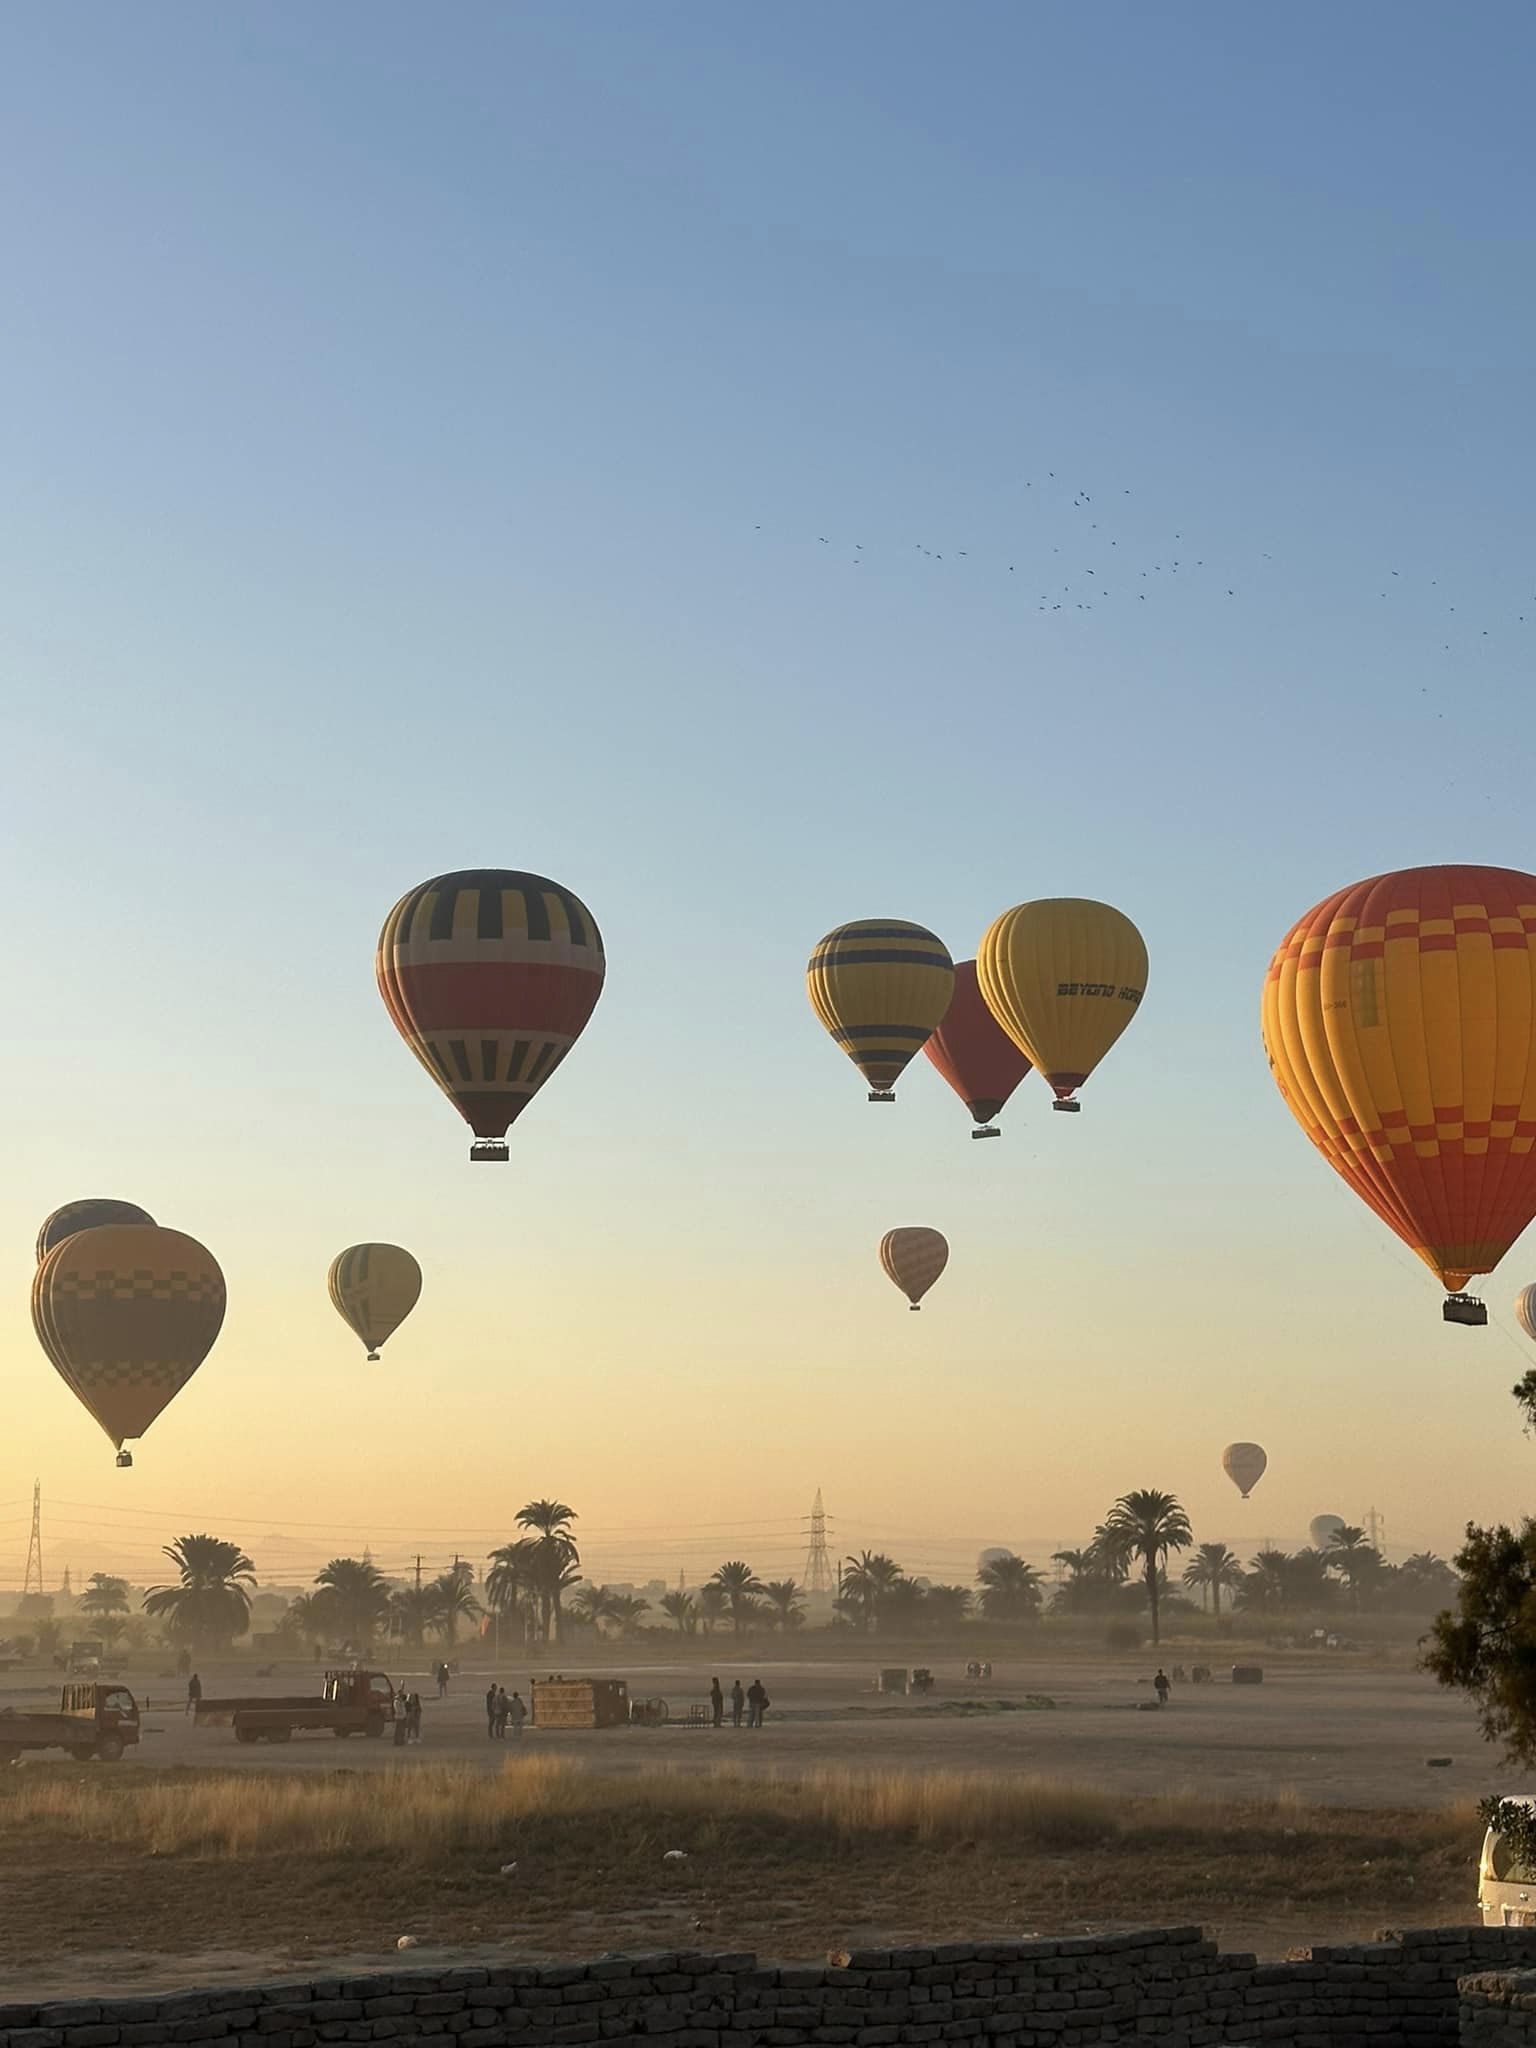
(594, 1604)
(1213, 1568)
(947, 1605)
(712, 1605)
(1150, 1524)
(412, 1610)
(211, 1604)
(683, 1609)
(554, 1557)
(509, 1584)
(1355, 1560)
(783, 1596)
(1267, 1581)
(308, 1618)
(740, 1584)
(1111, 1552)
(868, 1581)
(1011, 1590)
(104, 1595)
(627, 1609)
(356, 1597)
(455, 1590)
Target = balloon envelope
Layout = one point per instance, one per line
(1525, 1311)
(90, 1213)
(880, 987)
(1063, 977)
(127, 1313)
(373, 1288)
(973, 1052)
(490, 976)
(914, 1258)
(1399, 1017)
(1244, 1465)
(1323, 1528)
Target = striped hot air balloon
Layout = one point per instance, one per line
(1063, 977)
(975, 1054)
(913, 1259)
(1244, 1465)
(490, 976)
(87, 1214)
(127, 1313)
(1525, 1311)
(373, 1288)
(880, 987)
(1399, 1017)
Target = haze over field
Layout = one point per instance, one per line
(529, 437)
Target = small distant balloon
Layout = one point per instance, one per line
(1525, 1311)
(373, 1288)
(1244, 1465)
(1323, 1529)
(90, 1213)
(914, 1258)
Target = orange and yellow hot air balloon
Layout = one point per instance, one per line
(1245, 1465)
(1063, 976)
(1399, 1016)
(127, 1313)
(490, 976)
(914, 1258)
(881, 988)
(373, 1288)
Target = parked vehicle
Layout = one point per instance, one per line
(1506, 1888)
(85, 1659)
(354, 1702)
(93, 1720)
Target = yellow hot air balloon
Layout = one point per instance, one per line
(373, 1289)
(881, 988)
(127, 1313)
(914, 1258)
(1244, 1465)
(1063, 976)
(1399, 1016)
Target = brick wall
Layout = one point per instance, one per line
(1168, 1985)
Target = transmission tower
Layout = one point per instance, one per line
(819, 1576)
(1375, 1529)
(32, 1582)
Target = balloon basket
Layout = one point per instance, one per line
(1068, 1108)
(1465, 1308)
(124, 1460)
(492, 1151)
(882, 1095)
(913, 1307)
(373, 1358)
(989, 1131)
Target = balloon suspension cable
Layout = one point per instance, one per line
(987, 1131)
(1068, 1108)
(882, 1095)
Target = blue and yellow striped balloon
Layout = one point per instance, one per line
(881, 987)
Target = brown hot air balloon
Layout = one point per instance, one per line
(127, 1313)
(1244, 1465)
(90, 1213)
(914, 1258)
(975, 1054)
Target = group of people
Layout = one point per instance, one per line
(408, 1717)
(502, 1713)
(753, 1703)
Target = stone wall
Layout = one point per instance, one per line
(1169, 1985)
(1499, 2007)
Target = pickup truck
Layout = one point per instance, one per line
(92, 1721)
(352, 1703)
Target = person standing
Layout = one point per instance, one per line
(490, 1711)
(1161, 1686)
(503, 1708)
(738, 1701)
(517, 1714)
(194, 1693)
(413, 1718)
(402, 1717)
(442, 1681)
(757, 1703)
(716, 1703)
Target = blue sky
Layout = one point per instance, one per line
(420, 429)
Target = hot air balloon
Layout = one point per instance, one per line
(881, 987)
(1063, 977)
(1399, 1016)
(373, 1289)
(127, 1313)
(1323, 1529)
(87, 1214)
(974, 1054)
(1525, 1311)
(1244, 1465)
(914, 1259)
(490, 976)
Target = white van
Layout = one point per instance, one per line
(1506, 1898)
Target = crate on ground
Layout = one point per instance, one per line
(580, 1703)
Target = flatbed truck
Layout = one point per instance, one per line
(351, 1703)
(93, 1721)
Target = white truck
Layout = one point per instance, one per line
(1506, 1886)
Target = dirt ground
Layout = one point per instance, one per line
(1346, 1743)
(1319, 1728)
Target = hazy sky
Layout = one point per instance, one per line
(418, 431)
